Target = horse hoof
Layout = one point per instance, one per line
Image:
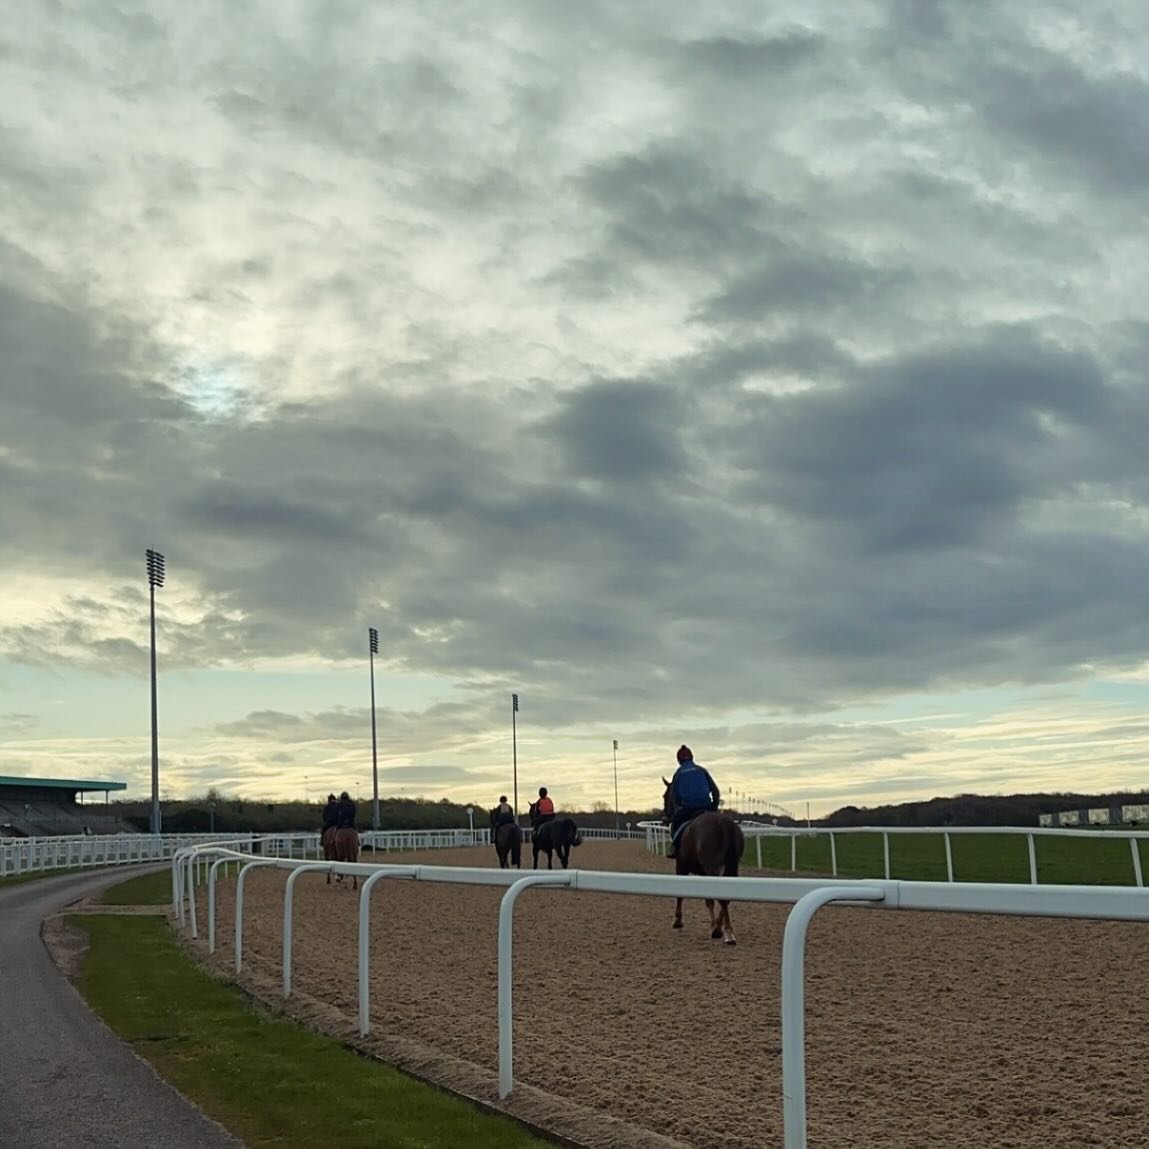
(716, 934)
(677, 925)
(731, 942)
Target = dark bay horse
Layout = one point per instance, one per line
(509, 842)
(347, 850)
(711, 845)
(559, 835)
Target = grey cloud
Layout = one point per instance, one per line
(231, 509)
(745, 61)
(803, 281)
(1092, 124)
(621, 431)
(667, 206)
(931, 450)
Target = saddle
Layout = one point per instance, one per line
(678, 833)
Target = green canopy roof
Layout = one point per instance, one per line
(60, 784)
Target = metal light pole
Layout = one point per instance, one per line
(515, 750)
(373, 644)
(155, 579)
(616, 821)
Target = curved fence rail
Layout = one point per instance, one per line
(806, 895)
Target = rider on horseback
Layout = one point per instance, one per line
(329, 812)
(693, 792)
(544, 809)
(502, 814)
(345, 812)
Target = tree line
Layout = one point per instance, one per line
(978, 809)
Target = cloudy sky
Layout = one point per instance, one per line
(765, 376)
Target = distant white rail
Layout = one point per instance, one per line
(806, 895)
(658, 837)
(83, 851)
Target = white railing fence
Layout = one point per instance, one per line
(658, 837)
(806, 895)
(36, 855)
(63, 852)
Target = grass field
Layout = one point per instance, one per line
(16, 879)
(146, 890)
(269, 1081)
(1089, 859)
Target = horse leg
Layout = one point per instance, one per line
(678, 914)
(715, 920)
(727, 929)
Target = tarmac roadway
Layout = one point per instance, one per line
(65, 1078)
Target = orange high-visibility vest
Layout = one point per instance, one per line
(545, 806)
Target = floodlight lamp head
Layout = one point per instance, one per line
(156, 568)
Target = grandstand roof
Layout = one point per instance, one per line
(60, 784)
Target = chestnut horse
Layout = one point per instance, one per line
(347, 850)
(710, 844)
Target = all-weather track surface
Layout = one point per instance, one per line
(924, 1030)
(68, 1080)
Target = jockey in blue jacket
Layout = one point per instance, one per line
(692, 791)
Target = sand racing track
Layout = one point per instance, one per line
(923, 1029)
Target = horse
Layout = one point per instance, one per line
(328, 842)
(347, 850)
(557, 834)
(710, 844)
(509, 841)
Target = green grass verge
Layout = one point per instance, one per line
(268, 1080)
(1089, 859)
(146, 890)
(18, 879)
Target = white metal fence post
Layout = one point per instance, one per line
(506, 1011)
(365, 938)
(239, 884)
(288, 925)
(794, 1002)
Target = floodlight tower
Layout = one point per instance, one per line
(155, 579)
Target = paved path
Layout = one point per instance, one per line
(67, 1079)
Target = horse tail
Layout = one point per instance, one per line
(734, 843)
